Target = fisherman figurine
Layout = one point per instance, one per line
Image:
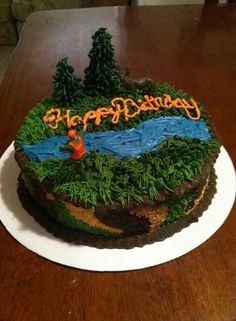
(75, 146)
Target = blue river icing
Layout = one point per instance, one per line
(126, 143)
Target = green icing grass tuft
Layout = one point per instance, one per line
(177, 209)
(34, 129)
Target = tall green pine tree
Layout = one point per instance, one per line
(67, 89)
(102, 76)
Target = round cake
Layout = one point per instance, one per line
(112, 161)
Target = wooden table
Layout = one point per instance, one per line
(191, 47)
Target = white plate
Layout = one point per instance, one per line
(30, 234)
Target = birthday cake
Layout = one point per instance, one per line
(114, 161)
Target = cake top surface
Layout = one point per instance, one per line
(95, 137)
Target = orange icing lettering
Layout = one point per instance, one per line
(119, 105)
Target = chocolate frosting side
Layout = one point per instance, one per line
(82, 238)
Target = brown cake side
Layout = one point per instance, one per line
(117, 221)
(201, 202)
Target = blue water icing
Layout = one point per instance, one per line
(46, 149)
(126, 143)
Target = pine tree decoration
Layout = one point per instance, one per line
(102, 76)
(67, 89)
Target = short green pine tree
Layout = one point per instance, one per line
(67, 88)
(102, 76)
